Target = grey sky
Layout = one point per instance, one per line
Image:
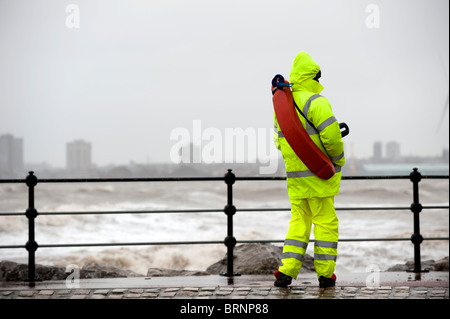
(136, 70)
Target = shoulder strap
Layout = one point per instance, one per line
(313, 97)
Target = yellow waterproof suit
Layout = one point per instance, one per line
(312, 198)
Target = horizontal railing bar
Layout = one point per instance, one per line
(342, 240)
(133, 244)
(122, 180)
(346, 208)
(12, 246)
(218, 210)
(11, 181)
(393, 177)
(267, 178)
(390, 239)
(212, 178)
(392, 207)
(272, 178)
(435, 207)
(188, 211)
(207, 242)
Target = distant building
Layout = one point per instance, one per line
(11, 155)
(377, 152)
(392, 150)
(78, 156)
(445, 154)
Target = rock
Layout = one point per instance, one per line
(253, 259)
(431, 265)
(12, 271)
(441, 264)
(157, 272)
(93, 270)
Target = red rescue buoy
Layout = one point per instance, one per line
(294, 132)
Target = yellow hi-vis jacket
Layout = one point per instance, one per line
(301, 182)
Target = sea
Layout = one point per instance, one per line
(353, 256)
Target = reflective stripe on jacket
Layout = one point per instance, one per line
(301, 182)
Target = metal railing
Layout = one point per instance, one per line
(230, 209)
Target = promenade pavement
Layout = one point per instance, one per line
(381, 285)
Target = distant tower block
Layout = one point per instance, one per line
(377, 152)
(11, 155)
(78, 155)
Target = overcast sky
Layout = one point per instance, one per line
(136, 70)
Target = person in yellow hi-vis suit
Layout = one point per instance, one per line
(312, 198)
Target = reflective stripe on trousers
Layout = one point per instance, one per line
(304, 213)
(322, 253)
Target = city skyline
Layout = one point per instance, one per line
(390, 150)
(145, 157)
(79, 163)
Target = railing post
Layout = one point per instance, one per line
(31, 213)
(230, 210)
(416, 208)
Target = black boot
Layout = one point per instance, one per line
(282, 279)
(327, 282)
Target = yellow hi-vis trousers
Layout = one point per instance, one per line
(304, 212)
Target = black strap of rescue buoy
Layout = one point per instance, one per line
(342, 125)
(309, 122)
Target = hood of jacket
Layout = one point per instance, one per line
(303, 71)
